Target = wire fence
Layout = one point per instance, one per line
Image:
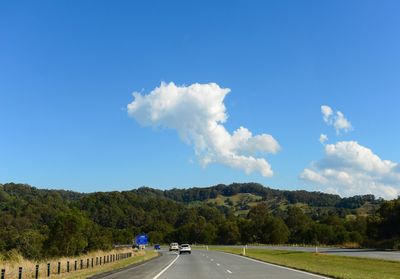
(62, 267)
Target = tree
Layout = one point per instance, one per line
(228, 233)
(275, 231)
(246, 231)
(298, 224)
(30, 244)
(68, 234)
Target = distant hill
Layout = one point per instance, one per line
(240, 197)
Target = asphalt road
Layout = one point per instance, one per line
(365, 253)
(207, 264)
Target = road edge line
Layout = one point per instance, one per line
(276, 265)
(166, 268)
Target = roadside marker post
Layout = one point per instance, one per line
(244, 250)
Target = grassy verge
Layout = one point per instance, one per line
(12, 265)
(147, 255)
(328, 265)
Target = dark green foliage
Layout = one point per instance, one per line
(299, 225)
(68, 234)
(267, 228)
(356, 201)
(228, 233)
(30, 243)
(384, 228)
(44, 223)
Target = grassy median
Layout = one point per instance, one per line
(328, 265)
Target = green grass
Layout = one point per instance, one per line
(328, 265)
(113, 266)
(247, 198)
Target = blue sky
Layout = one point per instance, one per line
(68, 70)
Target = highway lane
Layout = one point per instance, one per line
(207, 264)
(218, 265)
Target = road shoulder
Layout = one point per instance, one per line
(111, 272)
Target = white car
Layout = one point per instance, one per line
(185, 248)
(174, 247)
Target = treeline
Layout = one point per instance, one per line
(46, 223)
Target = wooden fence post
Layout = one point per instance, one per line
(3, 273)
(48, 270)
(37, 271)
(59, 268)
(20, 273)
(81, 264)
(67, 266)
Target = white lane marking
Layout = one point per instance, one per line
(218, 264)
(165, 269)
(230, 272)
(283, 267)
(212, 260)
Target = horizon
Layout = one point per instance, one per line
(301, 96)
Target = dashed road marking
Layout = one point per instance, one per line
(218, 264)
(230, 272)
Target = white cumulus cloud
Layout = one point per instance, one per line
(337, 120)
(197, 112)
(349, 168)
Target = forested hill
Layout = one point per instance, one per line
(266, 194)
(44, 223)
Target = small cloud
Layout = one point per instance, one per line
(327, 112)
(337, 120)
(341, 123)
(197, 112)
(323, 138)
